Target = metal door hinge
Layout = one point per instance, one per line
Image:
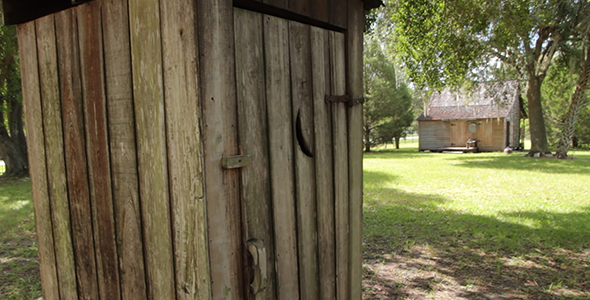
(344, 98)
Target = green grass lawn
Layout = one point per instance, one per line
(19, 267)
(525, 220)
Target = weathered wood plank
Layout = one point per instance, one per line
(253, 131)
(338, 11)
(218, 99)
(280, 136)
(302, 112)
(93, 93)
(124, 173)
(278, 3)
(319, 10)
(185, 149)
(37, 164)
(354, 83)
(56, 170)
(340, 136)
(301, 7)
(75, 153)
(324, 164)
(148, 91)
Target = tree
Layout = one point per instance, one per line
(388, 110)
(13, 147)
(445, 43)
(579, 100)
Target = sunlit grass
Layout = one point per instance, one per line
(19, 267)
(508, 189)
(502, 208)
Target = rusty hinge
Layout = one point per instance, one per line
(344, 98)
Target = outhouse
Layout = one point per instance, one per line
(194, 149)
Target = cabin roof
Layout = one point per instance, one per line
(486, 100)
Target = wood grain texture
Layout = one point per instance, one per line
(341, 181)
(75, 153)
(123, 156)
(278, 3)
(354, 83)
(148, 91)
(319, 10)
(97, 147)
(218, 100)
(301, 7)
(280, 136)
(302, 107)
(324, 165)
(338, 10)
(37, 164)
(185, 149)
(54, 155)
(253, 131)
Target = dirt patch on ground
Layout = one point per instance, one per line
(426, 273)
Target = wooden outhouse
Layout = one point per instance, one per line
(195, 149)
(486, 118)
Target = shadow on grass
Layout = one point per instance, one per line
(415, 248)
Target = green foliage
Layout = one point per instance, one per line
(447, 43)
(388, 109)
(556, 94)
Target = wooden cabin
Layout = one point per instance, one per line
(486, 118)
(195, 149)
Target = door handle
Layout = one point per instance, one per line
(257, 253)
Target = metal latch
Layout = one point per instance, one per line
(344, 98)
(236, 161)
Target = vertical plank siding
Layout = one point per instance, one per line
(354, 83)
(185, 151)
(55, 157)
(123, 159)
(132, 105)
(218, 100)
(123, 154)
(75, 153)
(281, 145)
(341, 180)
(31, 90)
(253, 131)
(95, 115)
(324, 163)
(302, 112)
(148, 91)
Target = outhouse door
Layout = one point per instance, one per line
(295, 190)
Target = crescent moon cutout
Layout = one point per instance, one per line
(300, 140)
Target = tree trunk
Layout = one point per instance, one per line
(367, 141)
(536, 119)
(571, 117)
(396, 142)
(16, 161)
(13, 146)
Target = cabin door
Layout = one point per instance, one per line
(459, 134)
(294, 191)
